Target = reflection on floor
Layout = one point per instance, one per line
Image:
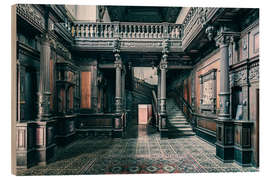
(142, 151)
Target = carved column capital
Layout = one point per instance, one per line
(163, 65)
(165, 46)
(225, 36)
(116, 46)
(118, 61)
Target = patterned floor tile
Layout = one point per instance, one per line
(146, 153)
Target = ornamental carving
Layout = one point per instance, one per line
(238, 78)
(202, 16)
(245, 47)
(163, 65)
(223, 40)
(116, 46)
(208, 91)
(31, 14)
(254, 74)
(210, 31)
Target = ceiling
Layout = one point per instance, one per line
(143, 14)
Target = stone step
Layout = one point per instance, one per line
(180, 134)
(180, 128)
(180, 125)
(177, 118)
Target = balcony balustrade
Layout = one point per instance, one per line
(126, 30)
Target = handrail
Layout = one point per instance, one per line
(187, 105)
(155, 107)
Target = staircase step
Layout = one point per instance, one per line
(180, 128)
(180, 125)
(177, 118)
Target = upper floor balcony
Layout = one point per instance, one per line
(132, 36)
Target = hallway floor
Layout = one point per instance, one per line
(142, 151)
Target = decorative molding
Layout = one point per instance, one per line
(32, 15)
(254, 74)
(208, 91)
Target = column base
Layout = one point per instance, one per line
(46, 155)
(25, 147)
(45, 142)
(243, 156)
(225, 153)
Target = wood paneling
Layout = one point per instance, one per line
(71, 98)
(211, 63)
(86, 90)
(207, 124)
(51, 84)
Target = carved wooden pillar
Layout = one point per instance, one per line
(118, 79)
(225, 126)
(159, 88)
(44, 85)
(45, 143)
(123, 89)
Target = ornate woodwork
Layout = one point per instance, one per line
(208, 91)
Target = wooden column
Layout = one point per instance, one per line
(45, 143)
(225, 126)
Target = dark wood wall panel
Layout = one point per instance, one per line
(207, 124)
(51, 84)
(71, 98)
(86, 90)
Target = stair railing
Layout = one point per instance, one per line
(187, 110)
(155, 107)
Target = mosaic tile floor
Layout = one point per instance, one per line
(142, 151)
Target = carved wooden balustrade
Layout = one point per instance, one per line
(127, 30)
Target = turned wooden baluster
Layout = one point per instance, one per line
(87, 30)
(82, 30)
(110, 31)
(101, 31)
(72, 30)
(130, 31)
(150, 35)
(146, 35)
(156, 31)
(133, 31)
(169, 31)
(126, 31)
(120, 30)
(95, 30)
(159, 32)
(79, 30)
